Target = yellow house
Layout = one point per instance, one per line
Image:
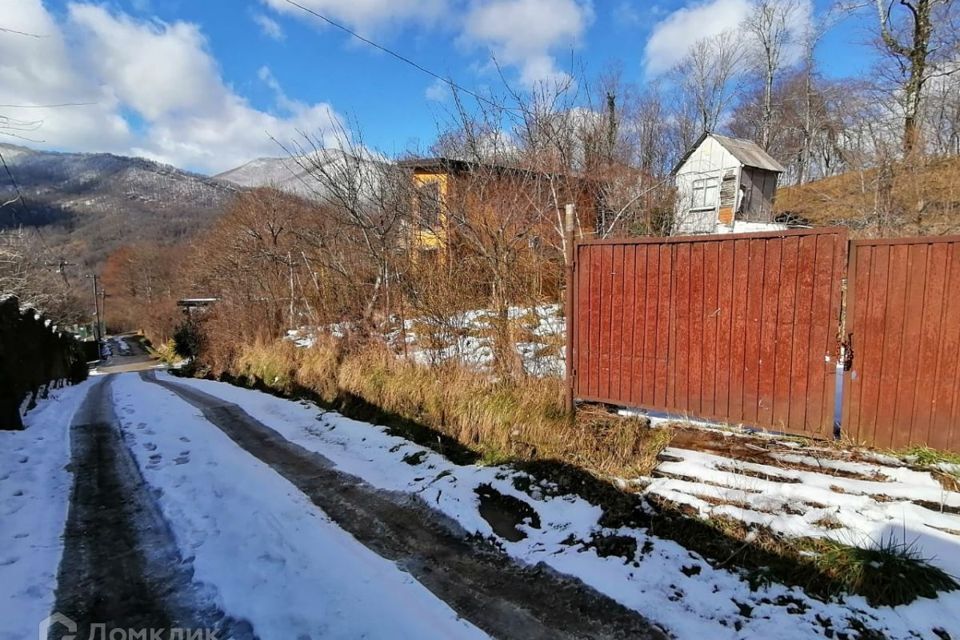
(431, 181)
(442, 185)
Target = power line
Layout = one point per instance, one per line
(47, 106)
(396, 55)
(21, 33)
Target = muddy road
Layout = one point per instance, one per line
(474, 577)
(122, 568)
(120, 565)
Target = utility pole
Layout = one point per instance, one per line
(569, 400)
(96, 313)
(102, 316)
(61, 266)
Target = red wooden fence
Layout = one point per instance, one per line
(903, 314)
(740, 329)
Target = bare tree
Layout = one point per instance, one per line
(919, 38)
(770, 25)
(369, 199)
(708, 80)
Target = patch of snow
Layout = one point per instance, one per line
(276, 559)
(34, 498)
(691, 604)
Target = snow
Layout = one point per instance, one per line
(743, 226)
(467, 338)
(797, 503)
(273, 556)
(703, 604)
(34, 495)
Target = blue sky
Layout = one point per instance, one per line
(199, 83)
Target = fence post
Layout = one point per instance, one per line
(568, 233)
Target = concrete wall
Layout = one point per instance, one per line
(34, 356)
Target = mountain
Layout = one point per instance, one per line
(287, 175)
(281, 173)
(88, 204)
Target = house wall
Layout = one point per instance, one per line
(709, 160)
(527, 198)
(424, 237)
(760, 190)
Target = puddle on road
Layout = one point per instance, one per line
(505, 513)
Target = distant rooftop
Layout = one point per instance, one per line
(196, 302)
(747, 152)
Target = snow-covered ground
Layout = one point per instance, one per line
(467, 337)
(34, 497)
(272, 556)
(664, 581)
(265, 553)
(867, 504)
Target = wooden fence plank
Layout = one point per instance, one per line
(905, 324)
(710, 326)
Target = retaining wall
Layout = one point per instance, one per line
(34, 357)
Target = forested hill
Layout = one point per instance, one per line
(89, 204)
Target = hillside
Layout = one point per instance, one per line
(285, 174)
(907, 199)
(92, 203)
(282, 173)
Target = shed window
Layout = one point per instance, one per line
(704, 194)
(428, 204)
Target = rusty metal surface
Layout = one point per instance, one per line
(738, 329)
(903, 314)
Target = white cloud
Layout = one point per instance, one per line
(270, 27)
(41, 71)
(438, 91)
(368, 16)
(154, 68)
(524, 33)
(673, 36)
(158, 91)
(519, 33)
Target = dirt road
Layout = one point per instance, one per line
(480, 582)
(122, 566)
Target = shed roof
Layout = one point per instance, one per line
(747, 152)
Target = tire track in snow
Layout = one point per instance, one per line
(121, 566)
(478, 581)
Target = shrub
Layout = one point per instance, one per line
(167, 352)
(188, 340)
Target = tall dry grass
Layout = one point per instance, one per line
(519, 420)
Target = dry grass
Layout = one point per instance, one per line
(520, 420)
(523, 423)
(165, 352)
(927, 193)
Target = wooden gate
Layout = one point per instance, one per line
(739, 329)
(903, 317)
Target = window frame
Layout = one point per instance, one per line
(704, 186)
(432, 191)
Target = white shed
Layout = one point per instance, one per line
(724, 185)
